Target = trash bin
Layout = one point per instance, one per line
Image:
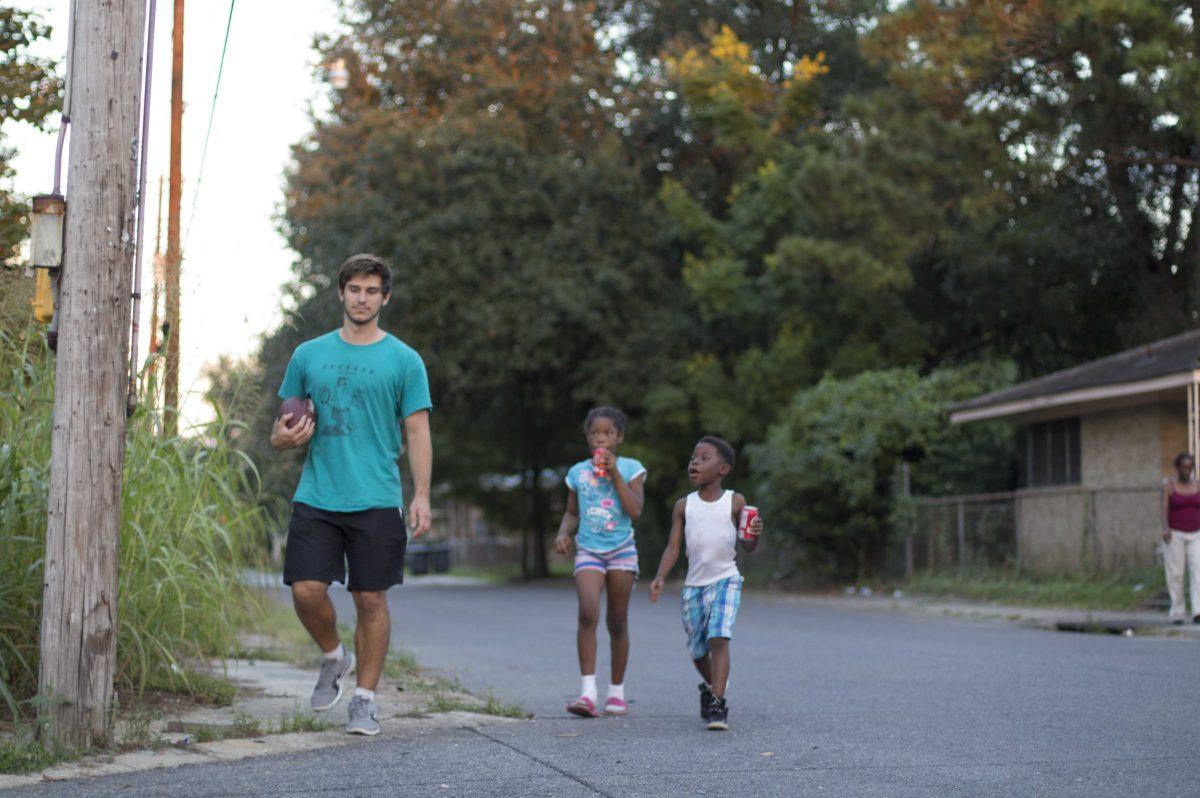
(418, 559)
(440, 556)
(425, 557)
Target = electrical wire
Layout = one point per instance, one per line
(208, 134)
(65, 121)
(139, 245)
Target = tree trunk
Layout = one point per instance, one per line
(79, 610)
(537, 516)
(526, 566)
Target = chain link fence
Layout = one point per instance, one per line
(1054, 530)
(963, 533)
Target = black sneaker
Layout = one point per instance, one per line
(706, 699)
(718, 715)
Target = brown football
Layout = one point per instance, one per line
(298, 407)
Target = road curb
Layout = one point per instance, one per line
(232, 750)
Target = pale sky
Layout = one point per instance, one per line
(234, 260)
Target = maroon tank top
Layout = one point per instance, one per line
(1183, 512)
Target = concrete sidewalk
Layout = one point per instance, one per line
(270, 715)
(1051, 618)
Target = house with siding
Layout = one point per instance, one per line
(1097, 441)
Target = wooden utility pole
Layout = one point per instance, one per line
(174, 255)
(79, 613)
(155, 303)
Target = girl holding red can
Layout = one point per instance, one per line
(605, 495)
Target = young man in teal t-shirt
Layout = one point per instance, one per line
(362, 383)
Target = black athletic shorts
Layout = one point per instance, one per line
(321, 541)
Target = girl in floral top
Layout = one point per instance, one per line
(605, 495)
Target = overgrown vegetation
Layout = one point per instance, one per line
(190, 521)
(23, 752)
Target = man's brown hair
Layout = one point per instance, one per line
(365, 263)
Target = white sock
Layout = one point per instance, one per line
(337, 653)
(589, 687)
(616, 691)
(365, 693)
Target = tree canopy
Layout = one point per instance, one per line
(804, 226)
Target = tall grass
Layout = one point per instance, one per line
(190, 521)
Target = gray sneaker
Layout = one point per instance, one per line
(332, 682)
(362, 717)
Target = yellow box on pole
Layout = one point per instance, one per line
(43, 297)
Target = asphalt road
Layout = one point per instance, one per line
(823, 701)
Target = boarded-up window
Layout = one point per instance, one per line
(1052, 453)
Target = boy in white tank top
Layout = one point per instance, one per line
(712, 590)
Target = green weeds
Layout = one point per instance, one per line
(445, 702)
(21, 752)
(191, 522)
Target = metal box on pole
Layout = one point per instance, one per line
(46, 252)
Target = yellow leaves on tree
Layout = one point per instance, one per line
(726, 91)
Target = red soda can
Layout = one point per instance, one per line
(749, 513)
(599, 470)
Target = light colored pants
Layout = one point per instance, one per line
(1183, 548)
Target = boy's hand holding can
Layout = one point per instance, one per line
(750, 523)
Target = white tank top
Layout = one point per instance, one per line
(711, 540)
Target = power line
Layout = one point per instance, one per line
(212, 112)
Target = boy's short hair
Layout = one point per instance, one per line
(365, 263)
(604, 411)
(722, 447)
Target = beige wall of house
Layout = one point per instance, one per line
(1109, 522)
(1052, 529)
(1071, 529)
(1131, 447)
(1174, 435)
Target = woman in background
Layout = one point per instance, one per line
(1181, 536)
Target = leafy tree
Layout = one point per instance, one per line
(478, 152)
(736, 218)
(777, 33)
(810, 269)
(829, 468)
(29, 92)
(1094, 95)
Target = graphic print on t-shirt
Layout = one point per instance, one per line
(336, 403)
(603, 523)
(599, 497)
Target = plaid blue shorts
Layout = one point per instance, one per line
(709, 612)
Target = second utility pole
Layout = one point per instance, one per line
(174, 254)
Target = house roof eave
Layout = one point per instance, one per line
(1100, 393)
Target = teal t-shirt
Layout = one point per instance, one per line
(603, 523)
(361, 394)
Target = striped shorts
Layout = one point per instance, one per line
(622, 558)
(709, 612)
